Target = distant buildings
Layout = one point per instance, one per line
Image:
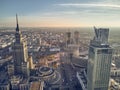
(99, 63)
(76, 37)
(72, 43)
(42, 76)
(68, 38)
(72, 38)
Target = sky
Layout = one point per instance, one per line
(60, 13)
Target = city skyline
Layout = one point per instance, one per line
(61, 13)
(46, 59)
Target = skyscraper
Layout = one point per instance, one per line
(99, 63)
(76, 37)
(68, 38)
(20, 53)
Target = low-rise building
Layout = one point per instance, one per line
(37, 85)
(4, 87)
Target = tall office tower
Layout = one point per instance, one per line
(76, 37)
(20, 53)
(38, 41)
(68, 38)
(99, 63)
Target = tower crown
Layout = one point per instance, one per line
(17, 28)
(18, 34)
(101, 37)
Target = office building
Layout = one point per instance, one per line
(76, 37)
(68, 38)
(99, 63)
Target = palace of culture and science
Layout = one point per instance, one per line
(20, 53)
(19, 70)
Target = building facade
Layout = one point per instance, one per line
(20, 52)
(5, 87)
(76, 37)
(10, 70)
(99, 63)
(68, 38)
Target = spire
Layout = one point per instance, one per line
(17, 28)
(17, 34)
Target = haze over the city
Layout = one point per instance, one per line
(60, 13)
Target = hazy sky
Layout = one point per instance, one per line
(60, 13)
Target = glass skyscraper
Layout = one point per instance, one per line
(99, 63)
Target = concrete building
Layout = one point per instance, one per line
(99, 63)
(68, 38)
(82, 79)
(115, 72)
(4, 51)
(30, 60)
(46, 74)
(76, 37)
(113, 85)
(37, 85)
(25, 69)
(74, 49)
(5, 87)
(19, 83)
(10, 70)
(24, 86)
(20, 52)
(72, 43)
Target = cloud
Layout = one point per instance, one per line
(89, 5)
(100, 9)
